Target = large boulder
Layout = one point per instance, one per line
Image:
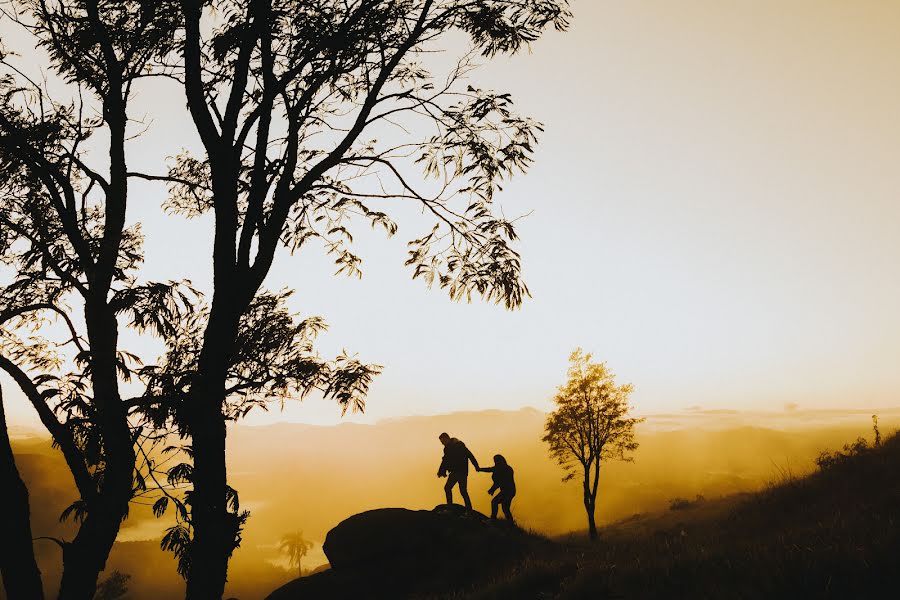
(396, 553)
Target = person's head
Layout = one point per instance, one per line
(445, 438)
(499, 461)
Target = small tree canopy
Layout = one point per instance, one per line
(590, 425)
(295, 546)
(591, 421)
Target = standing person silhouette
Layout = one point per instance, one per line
(502, 474)
(455, 466)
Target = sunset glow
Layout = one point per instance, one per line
(710, 210)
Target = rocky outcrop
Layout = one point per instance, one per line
(397, 553)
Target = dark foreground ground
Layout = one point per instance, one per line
(833, 534)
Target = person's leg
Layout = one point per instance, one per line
(448, 487)
(464, 491)
(507, 508)
(495, 503)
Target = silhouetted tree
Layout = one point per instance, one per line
(304, 110)
(876, 431)
(590, 425)
(273, 359)
(66, 239)
(296, 547)
(21, 577)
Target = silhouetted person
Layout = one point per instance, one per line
(455, 466)
(502, 474)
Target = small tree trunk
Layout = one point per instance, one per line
(589, 501)
(589, 507)
(21, 576)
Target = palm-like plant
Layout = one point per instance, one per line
(296, 547)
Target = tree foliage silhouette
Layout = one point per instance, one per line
(590, 425)
(274, 358)
(113, 587)
(295, 546)
(75, 264)
(304, 111)
(65, 237)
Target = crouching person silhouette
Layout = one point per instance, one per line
(455, 466)
(502, 474)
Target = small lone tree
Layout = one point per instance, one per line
(296, 547)
(590, 425)
(876, 430)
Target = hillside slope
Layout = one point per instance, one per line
(832, 534)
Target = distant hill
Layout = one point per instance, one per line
(306, 477)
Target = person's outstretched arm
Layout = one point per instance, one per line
(472, 458)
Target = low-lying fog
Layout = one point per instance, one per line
(301, 477)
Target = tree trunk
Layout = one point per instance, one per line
(84, 558)
(21, 576)
(213, 525)
(80, 575)
(589, 507)
(215, 528)
(590, 499)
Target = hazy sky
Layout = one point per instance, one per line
(714, 214)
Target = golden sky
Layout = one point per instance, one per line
(715, 214)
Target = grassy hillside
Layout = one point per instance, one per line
(832, 534)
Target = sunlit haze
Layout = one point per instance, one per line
(711, 216)
(712, 211)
